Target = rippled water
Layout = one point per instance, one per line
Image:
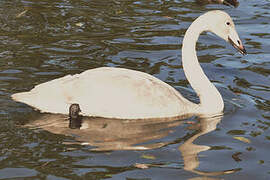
(44, 40)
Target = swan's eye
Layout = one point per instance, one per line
(228, 23)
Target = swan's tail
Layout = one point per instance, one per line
(24, 97)
(43, 101)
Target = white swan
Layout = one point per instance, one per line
(127, 94)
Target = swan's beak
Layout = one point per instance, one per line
(238, 45)
(234, 3)
(235, 41)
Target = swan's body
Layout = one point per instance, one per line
(108, 92)
(128, 94)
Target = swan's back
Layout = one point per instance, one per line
(108, 92)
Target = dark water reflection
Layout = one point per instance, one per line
(43, 40)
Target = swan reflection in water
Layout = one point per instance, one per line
(114, 134)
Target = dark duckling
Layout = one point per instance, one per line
(75, 119)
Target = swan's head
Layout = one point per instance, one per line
(221, 24)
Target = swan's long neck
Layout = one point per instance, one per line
(211, 101)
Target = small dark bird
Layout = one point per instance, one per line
(75, 119)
